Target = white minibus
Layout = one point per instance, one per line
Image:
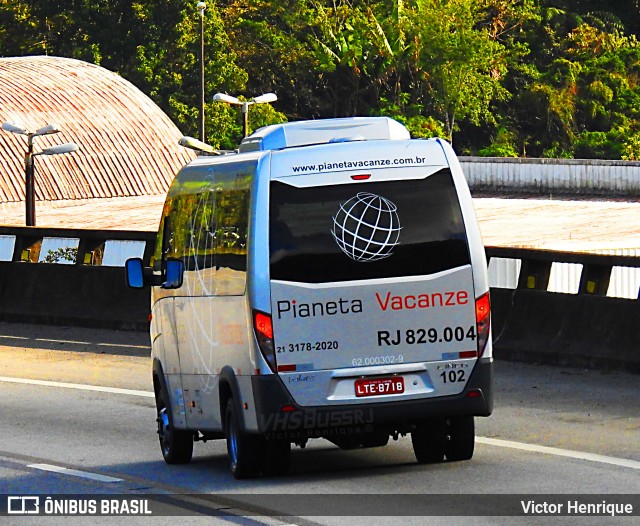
(327, 280)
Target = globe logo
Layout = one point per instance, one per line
(367, 227)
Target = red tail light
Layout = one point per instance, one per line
(263, 325)
(263, 329)
(483, 321)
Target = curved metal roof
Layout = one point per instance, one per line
(128, 146)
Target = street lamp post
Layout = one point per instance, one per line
(30, 184)
(260, 99)
(201, 7)
(29, 168)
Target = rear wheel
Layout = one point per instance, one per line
(278, 458)
(462, 437)
(429, 440)
(176, 444)
(246, 452)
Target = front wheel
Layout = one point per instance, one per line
(176, 444)
(246, 452)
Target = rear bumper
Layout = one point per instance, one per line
(271, 395)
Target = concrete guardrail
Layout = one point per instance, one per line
(552, 176)
(585, 329)
(84, 287)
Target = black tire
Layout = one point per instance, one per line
(176, 444)
(246, 452)
(277, 460)
(429, 440)
(462, 438)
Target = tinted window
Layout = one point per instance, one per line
(366, 230)
(205, 223)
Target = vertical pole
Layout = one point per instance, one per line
(202, 137)
(30, 191)
(245, 119)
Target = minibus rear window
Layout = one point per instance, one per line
(366, 230)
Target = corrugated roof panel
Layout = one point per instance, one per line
(128, 146)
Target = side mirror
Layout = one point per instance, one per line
(134, 272)
(174, 272)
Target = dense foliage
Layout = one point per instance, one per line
(554, 78)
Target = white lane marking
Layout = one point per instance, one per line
(74, 472)
(124, 345)
(50, 340)
(622, 462)
(82, 387)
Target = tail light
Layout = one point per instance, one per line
(483, 321)
(263, 329)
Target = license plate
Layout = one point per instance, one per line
(379, 386)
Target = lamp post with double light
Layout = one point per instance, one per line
(260, 99)
(201, 6)
(30, 192)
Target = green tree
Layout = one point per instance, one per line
(463, 64)
(269, 40)
(535, 77)
(166, 66)
(590, 92)
(327, 59)
(154, 44)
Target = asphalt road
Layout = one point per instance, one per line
(554, 431)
